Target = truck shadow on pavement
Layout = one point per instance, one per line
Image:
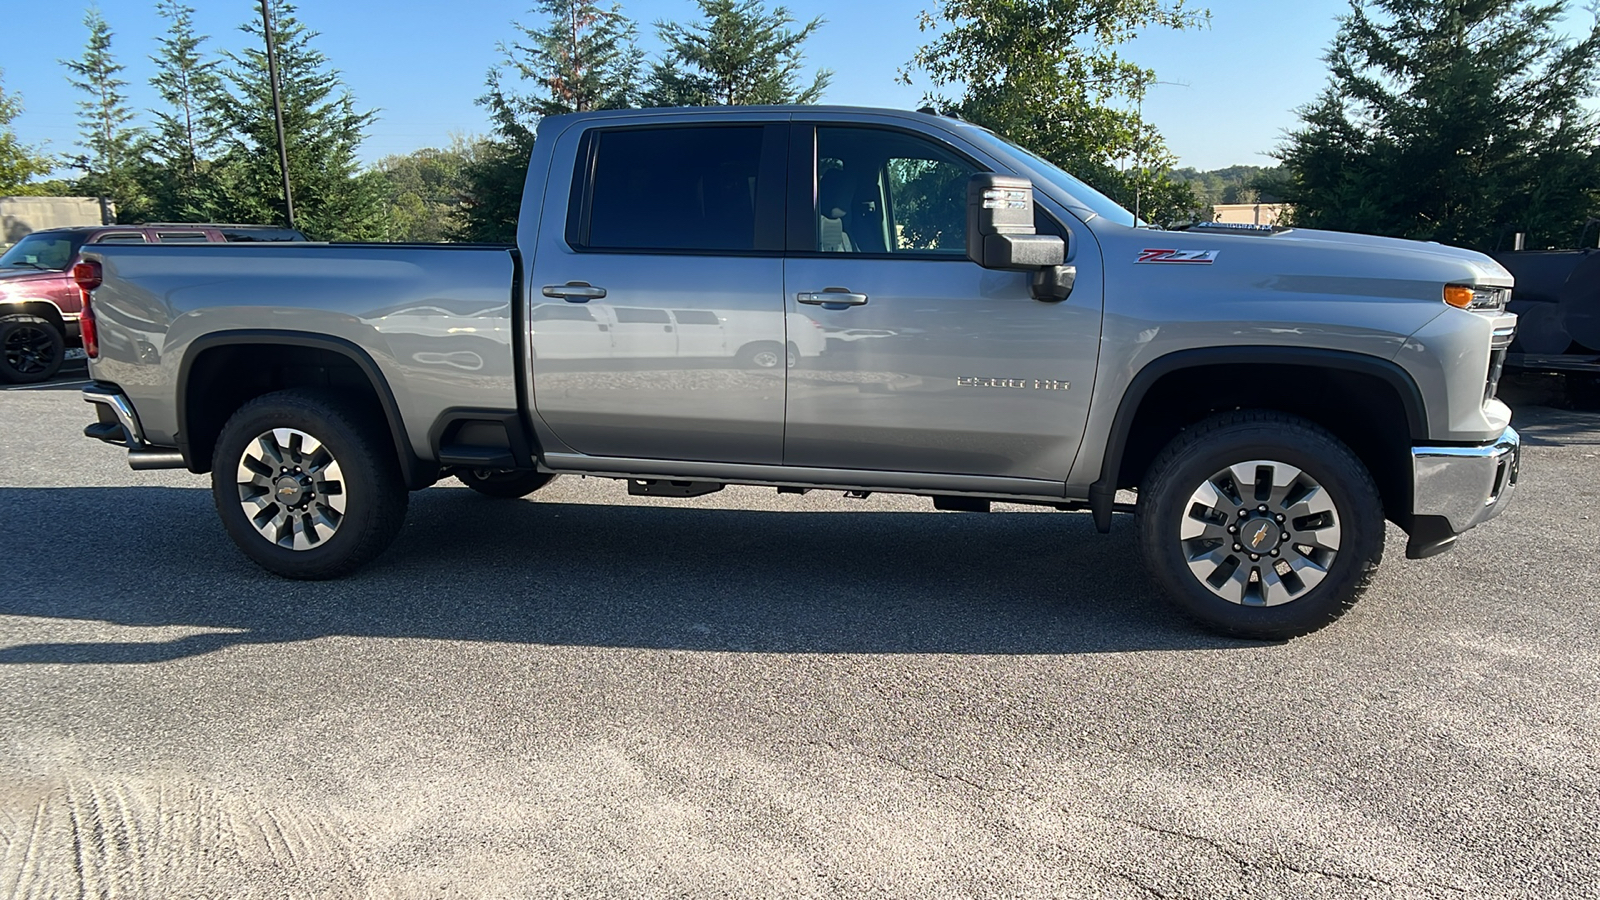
(683, 578)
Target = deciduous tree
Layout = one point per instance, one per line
(1047, 74)
(19, 163)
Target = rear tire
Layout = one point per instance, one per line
(308, 484)
(1215, 541)
(31, 349)
(503, 484)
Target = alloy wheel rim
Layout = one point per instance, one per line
(291, 489)
(766, 359)
(29, 350)
(1260, 533)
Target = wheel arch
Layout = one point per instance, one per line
(44, 309)
(280, 359)
(1364, 400)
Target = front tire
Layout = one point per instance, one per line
(1260, 525)
(307, 484)
(503, 484)
(31, 349)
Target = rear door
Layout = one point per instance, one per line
(933, 364)
(660, 217)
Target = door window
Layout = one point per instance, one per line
(182, 237)
(672, 189)
(884, 192)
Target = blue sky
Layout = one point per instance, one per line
(421, 63)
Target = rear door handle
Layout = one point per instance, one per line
(574, 291)
(832, 298)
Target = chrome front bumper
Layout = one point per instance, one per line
(1457, 488)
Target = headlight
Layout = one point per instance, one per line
(1477, 297)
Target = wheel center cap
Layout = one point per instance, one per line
(289, 490)
(1260, 535)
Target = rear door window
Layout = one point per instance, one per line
(681, 189)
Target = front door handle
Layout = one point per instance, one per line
(575, 291)
(832, 298)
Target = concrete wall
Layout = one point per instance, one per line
(22, 215)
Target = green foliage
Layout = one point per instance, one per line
(584, 58)
(1047, 75)
(1234, 184)
(188, 133)
(332, 201)
(740, 53)
(19, 163)
(112, 161)
(424, 190)
(1454, 121)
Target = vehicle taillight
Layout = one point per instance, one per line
(87, 275)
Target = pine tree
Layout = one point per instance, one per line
(584, 58)
(112, 159)
(1452, 121)
(739, 53)
(19, 163)
(333, 200)
(1046, 74)
(187, 133)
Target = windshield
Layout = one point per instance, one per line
(49, 252)
(1048, 172)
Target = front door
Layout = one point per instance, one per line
(932, 363)
(675, 226)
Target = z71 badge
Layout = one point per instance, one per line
(1180, 257)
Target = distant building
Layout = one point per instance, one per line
(1249, 213)
(21, 216)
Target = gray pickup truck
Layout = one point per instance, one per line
(832, 298)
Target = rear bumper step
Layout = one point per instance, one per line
(119, 424)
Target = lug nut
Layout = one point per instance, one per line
(1255, 557)
(1280, 517)
(1274, 553)
(1286, 535)
(1262, 507)
(1232, 529)
(1236, 547)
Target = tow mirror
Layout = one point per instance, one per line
(1001, 235)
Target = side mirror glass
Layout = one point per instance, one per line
(1000, 229)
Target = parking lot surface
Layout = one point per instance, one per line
(584, 694)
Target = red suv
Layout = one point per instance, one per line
(40, 303)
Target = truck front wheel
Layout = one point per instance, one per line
(307, 485)
(31, 349)
(1260, 525)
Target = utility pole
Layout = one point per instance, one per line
(277, 108)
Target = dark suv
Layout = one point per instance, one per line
(40, 303)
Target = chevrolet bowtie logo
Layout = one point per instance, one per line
(1261, 535)
(286, 490)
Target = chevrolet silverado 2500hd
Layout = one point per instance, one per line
(675, 313)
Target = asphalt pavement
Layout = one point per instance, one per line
(586, 694)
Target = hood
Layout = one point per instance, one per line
(1487, 270)
(11, 275)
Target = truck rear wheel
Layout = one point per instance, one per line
(307, 485)
(31, 349)
(1260, 525)
(503, 484)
